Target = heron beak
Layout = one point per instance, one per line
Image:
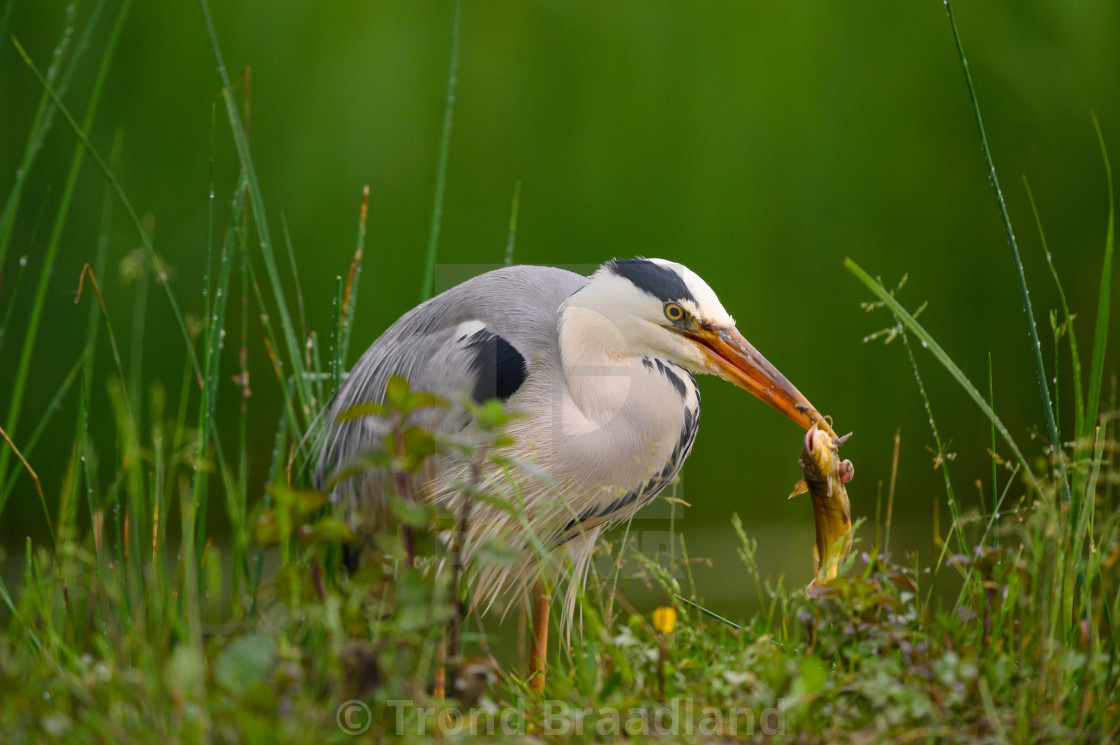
(733, 358)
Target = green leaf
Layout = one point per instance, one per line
(441, 518)
(503, 441)
(362, 410)
(426, 543)
(414, 588)
(396, 391)
(330, 529)
(423, 400)
(266, 530)
(418, 443)
(413, 514)
(363, 463)
(246, 661)
(185, 671)
(813, 675)
(301, 502)
(491, 415)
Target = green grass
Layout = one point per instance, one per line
(139, 621)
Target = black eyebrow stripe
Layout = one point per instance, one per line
(657, 280)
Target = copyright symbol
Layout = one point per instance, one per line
(353, 717)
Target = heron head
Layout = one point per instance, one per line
(662, 309)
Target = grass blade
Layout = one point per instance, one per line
(1078, 394)
(5, 322)
(427, 288)
(271, 346)
(107, 172)
(212, 362)
(1044, 389)
(23, 368)
(6, 18)
(995, 475)
(44, 114)
(935, 349)
(350, 300)
(48, 414)
(35, 478)
(87, 271)
(290, 250)
(1104, 300)
(942, 462)
(513, 222)
(336, 335)
(256, 201)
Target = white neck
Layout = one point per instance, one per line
(620, 415)
(597, 362)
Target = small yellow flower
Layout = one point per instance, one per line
(665, 619)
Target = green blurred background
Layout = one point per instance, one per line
(759, 143)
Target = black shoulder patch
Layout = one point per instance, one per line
(660, 281)
(498, 367)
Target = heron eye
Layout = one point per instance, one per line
(674, 312)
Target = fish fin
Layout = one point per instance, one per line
(799, 488)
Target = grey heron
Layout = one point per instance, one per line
(600, 368)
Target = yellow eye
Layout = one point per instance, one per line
(674, 312)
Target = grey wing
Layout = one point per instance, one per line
(446, 362)
(478, 340)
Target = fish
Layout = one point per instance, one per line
(825, 479)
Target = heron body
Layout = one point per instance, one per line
(600, 370)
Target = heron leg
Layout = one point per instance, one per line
(538, 650)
